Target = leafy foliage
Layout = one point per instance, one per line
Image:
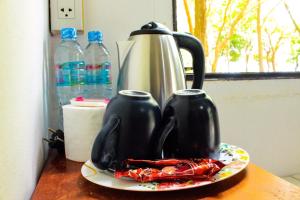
(237, 44)
(232, 33)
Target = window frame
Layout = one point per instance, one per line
(237, 75)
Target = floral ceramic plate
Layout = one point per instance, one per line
(235, 158)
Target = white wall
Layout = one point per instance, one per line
(261, 116)
(23, 49)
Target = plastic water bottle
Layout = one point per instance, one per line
(69, 69)
(98, 67)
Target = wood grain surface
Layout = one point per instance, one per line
(61, 180)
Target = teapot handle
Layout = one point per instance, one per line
(105, 145)
(165, 133)
(194, 46)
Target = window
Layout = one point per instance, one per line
(243, 36)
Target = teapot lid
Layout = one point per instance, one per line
(152, 28)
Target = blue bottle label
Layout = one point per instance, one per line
(70, 73)
(98, 74)
(93, 74)
(106, 67)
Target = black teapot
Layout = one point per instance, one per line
(130, 130)
(190, 126)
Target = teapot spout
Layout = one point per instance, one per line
(124, 48)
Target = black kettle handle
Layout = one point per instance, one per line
(194, 46)
(104, 149)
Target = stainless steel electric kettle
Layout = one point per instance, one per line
(151, 61)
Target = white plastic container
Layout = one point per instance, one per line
(81, 126)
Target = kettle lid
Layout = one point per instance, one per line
(152, 28)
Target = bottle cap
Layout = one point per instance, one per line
(95, 36)
(68, 33)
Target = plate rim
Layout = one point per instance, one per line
(174, 188)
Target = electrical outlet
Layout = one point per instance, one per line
(66, 13)
(66, 9)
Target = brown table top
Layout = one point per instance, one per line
(61, 179)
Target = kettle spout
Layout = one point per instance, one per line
(124, 48)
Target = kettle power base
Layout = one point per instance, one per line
(235, 158)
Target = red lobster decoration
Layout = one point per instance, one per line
(170, 169)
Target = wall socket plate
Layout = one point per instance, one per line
(66, 13)
(66, 9)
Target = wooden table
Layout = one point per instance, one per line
(61, 179)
